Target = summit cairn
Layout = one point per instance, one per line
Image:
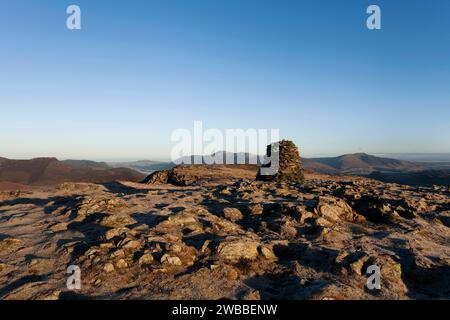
(283, 159)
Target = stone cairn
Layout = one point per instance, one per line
(289, 170)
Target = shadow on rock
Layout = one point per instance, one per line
(118, 188)
(318, 258)
(21, 282)
(285, 286)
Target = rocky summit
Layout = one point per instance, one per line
(227, 236)
(284, 157)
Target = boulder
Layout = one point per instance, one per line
(232, 214)
(335, 209)
(238, 249)
(9, 245)
(172, 260)
(176, 176)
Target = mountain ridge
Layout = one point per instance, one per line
(360, 164)
(50, 170)
(45, 171)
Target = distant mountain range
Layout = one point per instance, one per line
(419, 157)
(149, 166)
(383, 169)
(359, 164)
(51, 171)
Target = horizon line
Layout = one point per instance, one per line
(158, 159)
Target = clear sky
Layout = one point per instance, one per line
(137, 70)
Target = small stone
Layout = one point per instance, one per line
(175, 248)
(173, 260)
(171, 238)
(268, 253)
(305, 215)
(205, 246)
(10, 244)
(223, 202)
(59, 227)
(147, 258)
(40, 264)
(225, 192)
(55, 295)
(122, 264)
(353, 261)
(288, 231)
(111, 234)
(106, 245)
(91, 252)
(256, 209)
(251, 295)
(109, 267)
(232, 214)
(133, 244)
(118, 253)
(232, 274)
(358, 265)
(321, 222)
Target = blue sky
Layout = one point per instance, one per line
(138, 70)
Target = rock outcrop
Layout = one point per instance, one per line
(186, 175)
(174, 176)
